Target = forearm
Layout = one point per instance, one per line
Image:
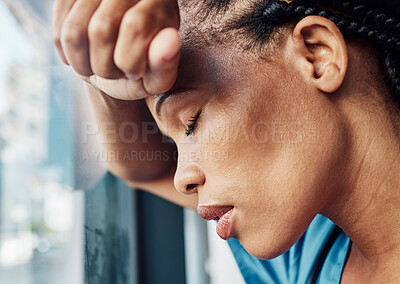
(128, 135)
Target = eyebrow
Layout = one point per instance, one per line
(164, 96)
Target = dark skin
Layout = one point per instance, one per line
(349, 172)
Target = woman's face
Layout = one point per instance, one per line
(261, 140)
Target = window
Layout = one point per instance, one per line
(63, 219)
(41, 215)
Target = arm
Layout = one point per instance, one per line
(155, 173)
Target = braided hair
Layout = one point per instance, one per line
(376, 21)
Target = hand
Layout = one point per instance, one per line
(128, 49)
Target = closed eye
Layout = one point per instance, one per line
(190, 127)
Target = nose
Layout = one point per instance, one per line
(188, 178)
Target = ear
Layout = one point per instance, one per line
(321, 52)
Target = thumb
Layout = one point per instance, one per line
(164, 56)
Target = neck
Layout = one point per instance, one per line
(368, 206)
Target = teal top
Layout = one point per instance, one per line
(323, 240)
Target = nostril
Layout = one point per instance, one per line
(188, 178)
(190, 186)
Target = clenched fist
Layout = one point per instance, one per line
(128, 49)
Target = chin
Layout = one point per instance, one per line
(264, 249)
(265, 254)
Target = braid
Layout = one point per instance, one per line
(391, 64)
(376, 27)
(360, 19)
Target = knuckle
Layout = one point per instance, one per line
(135, 22)
(73, 35)
(102, 29)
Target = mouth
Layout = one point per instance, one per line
(221, 213)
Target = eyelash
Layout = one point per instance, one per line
(192, 124)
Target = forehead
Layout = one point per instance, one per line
(210, 68)
(199, 68)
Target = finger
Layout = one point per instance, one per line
(74, 38)
(60, 12)
(103, 33)
(122, 89)
(164, 55)
(133, 40)
(138, 27)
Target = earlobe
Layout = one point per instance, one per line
(322, 52)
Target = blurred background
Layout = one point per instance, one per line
(63, 218)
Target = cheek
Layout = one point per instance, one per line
(279, 183)
(297, 182)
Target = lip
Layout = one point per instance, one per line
(221, 213)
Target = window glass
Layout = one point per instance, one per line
(41, 235)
